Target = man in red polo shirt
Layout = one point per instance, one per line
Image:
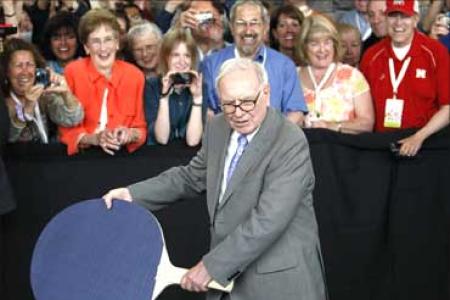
(408, 74)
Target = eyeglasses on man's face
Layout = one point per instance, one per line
(246, 105)
(242, 24)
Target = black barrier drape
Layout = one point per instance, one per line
(383, 222)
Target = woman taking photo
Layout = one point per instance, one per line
(110, 90)
(36, 100)
(337, 95)
(174, 103)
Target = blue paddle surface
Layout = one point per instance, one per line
(88, 252)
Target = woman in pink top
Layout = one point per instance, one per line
(337, 95)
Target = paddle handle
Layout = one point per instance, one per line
(168, 274)
(217, 286)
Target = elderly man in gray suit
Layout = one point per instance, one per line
(256, 170)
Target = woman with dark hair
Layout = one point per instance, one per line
(60, 44)
(33, 103)
(173, 101)
(285, 25)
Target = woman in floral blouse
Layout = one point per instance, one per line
(337, 95)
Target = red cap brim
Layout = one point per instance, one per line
(403, 11)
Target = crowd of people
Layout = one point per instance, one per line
(124, 73)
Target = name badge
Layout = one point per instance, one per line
(393, 113)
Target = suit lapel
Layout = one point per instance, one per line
(219, 150)
(254, 153)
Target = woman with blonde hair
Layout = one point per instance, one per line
(337, 95)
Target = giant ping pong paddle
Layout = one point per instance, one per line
(91, 253)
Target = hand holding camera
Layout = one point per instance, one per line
(50, 80)
(204, 18)
(195, 85)
(177, 79)
(192, 18)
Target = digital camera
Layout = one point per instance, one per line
(204, 17)
(182, 78)
(42, 77)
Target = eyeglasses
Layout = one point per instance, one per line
(241, 24)
(145, 49)
(245, 105)
(107, 41)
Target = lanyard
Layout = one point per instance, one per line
(396, 80)
(237, 55)
(318, 87)
(37, 118)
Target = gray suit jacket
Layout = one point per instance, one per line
(264, 232)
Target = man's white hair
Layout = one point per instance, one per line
(242, 64)
(264, 13)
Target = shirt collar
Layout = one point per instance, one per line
(259, 57)
(95, 75)
(250, 136)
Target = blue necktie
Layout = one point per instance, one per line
(242, 144)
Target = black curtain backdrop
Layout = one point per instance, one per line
(383, 221)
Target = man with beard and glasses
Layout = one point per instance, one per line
(249, 24)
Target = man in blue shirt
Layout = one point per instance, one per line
(249, 25)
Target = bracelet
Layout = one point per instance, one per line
(9, 15)
(196, 104)
(165, 94)
(168, 91)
